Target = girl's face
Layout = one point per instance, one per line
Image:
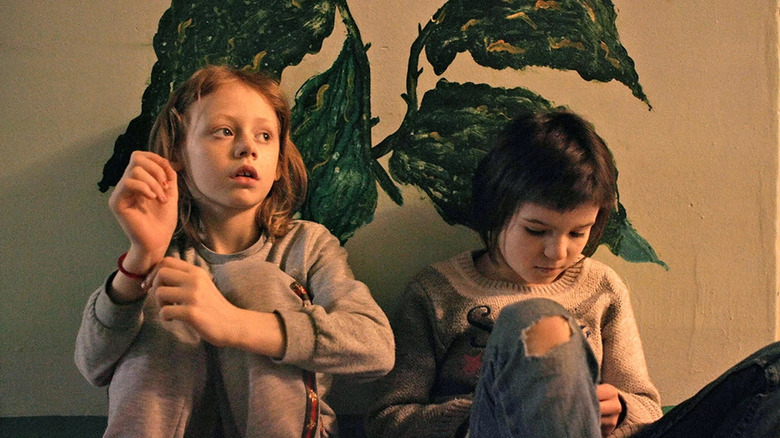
(231, 153)
(538, 244)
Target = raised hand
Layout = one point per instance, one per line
(144, 203)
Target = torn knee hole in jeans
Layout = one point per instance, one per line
(545, 334)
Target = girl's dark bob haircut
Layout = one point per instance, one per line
(554, 159)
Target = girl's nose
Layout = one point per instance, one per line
(244, 147)
(555, 249)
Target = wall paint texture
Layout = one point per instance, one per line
(698, 176)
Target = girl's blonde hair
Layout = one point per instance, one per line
(168, 137)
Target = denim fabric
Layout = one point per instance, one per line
(552, 395)
(743, 402)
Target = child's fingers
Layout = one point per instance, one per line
(170, 173)
(170, 295)
(170, 312)
(153, 169)
(141, 184)
(162, 168)
(169, 272)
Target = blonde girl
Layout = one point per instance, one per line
(225, 316)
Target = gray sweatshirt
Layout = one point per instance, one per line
(165, 381)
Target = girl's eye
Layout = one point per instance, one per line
(223, 132)
(265, 136)
(534, 232)
(577, 234)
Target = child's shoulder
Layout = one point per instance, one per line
(603, 274)
(457, 265)
(451, 275)
(310, 227)
(306, 235)
(305, 229)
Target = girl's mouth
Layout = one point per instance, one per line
(245, 172)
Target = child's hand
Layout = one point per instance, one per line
(186, 293)
(144, 203)
(610, 407)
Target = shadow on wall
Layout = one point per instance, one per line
(58, 241)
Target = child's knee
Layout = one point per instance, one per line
(546, 334)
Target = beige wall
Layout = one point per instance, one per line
(698, 175)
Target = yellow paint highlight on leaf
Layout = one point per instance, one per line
(565, 43)
(321, 97)
(329, 142)
(469, 23)
(183, 27)
(296, 3)
(436, 136)
(523, 16)
(591, 12)
(614, 61)
(256, 61)
(350, 97)
(439, 16)
(542, 4)
(503, 46)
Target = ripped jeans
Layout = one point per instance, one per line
(522, 396)
(553, 394)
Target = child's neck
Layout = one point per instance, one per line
(231, 234)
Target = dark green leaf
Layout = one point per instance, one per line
(266, 35)
(622, 239)
(331, 124)
(575, 35)
(454, 127)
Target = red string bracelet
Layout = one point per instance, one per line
(129, 274)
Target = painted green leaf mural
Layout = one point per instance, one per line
(447, 138)
(622, 240)
(438, 143)
(328, 127)
(255, 34)
(575, 35)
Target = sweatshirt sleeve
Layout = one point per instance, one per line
(107, 331)
(404, 406)
(625, 368)
(344, 331)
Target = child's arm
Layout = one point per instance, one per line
(187, 293)
(624, 366)
(344, 331)
(144, 203)
(404, 406)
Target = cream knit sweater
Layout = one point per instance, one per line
(442, 326)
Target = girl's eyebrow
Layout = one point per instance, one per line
(534, 221)
(541, 222)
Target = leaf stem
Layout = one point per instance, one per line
(363, 67)
(413, 73)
